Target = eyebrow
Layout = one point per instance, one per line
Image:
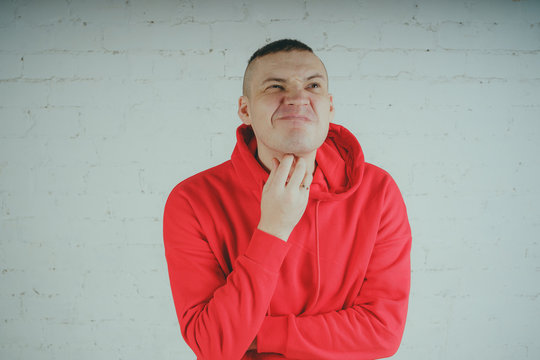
(315, 76)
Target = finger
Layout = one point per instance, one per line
(308, 179)
(282, 171)
(298, 173)
(275, 164)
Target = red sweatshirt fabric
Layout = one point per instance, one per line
(337, 289)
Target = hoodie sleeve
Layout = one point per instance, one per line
(373, 326)
(219, 315)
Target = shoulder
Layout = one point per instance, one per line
(374, 173)
(380, 181)
(205, 182)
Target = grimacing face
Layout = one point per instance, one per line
(287, 103)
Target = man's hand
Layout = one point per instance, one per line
(284, 197)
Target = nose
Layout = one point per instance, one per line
(296, 96)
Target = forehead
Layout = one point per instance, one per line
(286, 65)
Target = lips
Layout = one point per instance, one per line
(294, 117)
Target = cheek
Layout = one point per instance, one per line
(265, 109)
(323, 107)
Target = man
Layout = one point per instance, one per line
(295, 248)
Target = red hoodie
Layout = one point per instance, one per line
(338, 289)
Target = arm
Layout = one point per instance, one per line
(373, 326)
(219, 316)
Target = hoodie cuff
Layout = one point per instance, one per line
(267, 250)
(273, 335)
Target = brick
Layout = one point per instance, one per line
(78, 148)
(218, 10)
(47, 307)
(121, 150)
(439, 63)
(474, 93)
(202, 67)
(408, 35)
(235, 64)
(11, 66)
(83, 206)
(127, 179)
(276, 10)
(226, 36)
(99, 65)
(61, 179)
(155, 66)
(320, 10)
(144, 231)
(167, 11)
(16, 178)
(93, 92)
(102, 121)
(128, 207)
(306, 31)
(7, 14)
(54, 123)
(11, 307)
(44, 66)
(26, 151)
(365, 34)
(19, 37)
(340, 62)
(185, 37)
(387, 63)
(21, 332)
(102, 12)
(100, 232)
(74, 36)
(15, 122)
(389, 11)
(491, 36)
(24, 94)
(52, 12)
(348, 91)
(503, 66)
(479, 10)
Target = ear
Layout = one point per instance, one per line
(243, 110)
(332, 109)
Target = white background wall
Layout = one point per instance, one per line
(106, 105)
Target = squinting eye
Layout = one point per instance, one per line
(275, 86)
(315, 85)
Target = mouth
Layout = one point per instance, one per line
(294, 118)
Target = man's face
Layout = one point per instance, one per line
(287, 103)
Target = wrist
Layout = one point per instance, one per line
(279, 233)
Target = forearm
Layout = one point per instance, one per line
(353, 333)
(371, 327)
(220, 317)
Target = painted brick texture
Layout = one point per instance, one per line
(106, 105)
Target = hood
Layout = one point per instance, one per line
(340, 164)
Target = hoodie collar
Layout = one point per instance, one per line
(340, 164)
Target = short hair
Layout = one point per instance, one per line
(283, 45)
(279, 46)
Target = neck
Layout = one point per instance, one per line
(265, 159)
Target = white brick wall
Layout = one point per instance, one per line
(106, 105)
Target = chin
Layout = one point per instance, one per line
(301, 149)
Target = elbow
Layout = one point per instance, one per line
(387, 333)
(210, 345)
(393, 345)
(391, 340)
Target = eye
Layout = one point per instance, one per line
(314, 85)
(275, 86)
